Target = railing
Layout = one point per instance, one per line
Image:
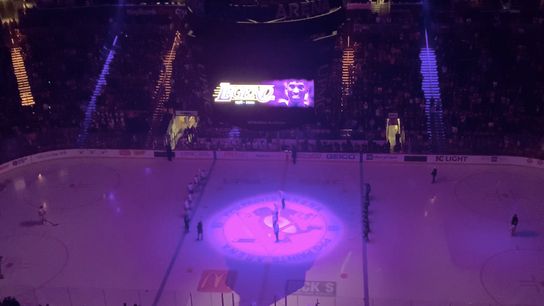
(475, 144)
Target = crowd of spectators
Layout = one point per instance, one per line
(10, 111)
(10, 301)
(489, 67)
(192, 89)
(60, 64)
(492, 80)
(126, 102)
(387, 71)
(64, 52)
(308, 139)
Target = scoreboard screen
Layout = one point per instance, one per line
(295, 93)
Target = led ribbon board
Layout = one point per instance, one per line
(253, 12)
(278, 93)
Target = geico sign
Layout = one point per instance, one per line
(345, 156)
(451, 158)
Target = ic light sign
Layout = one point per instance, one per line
(279, 93)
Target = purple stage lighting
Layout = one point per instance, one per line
(305, 229)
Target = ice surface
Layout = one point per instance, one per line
(120, 234)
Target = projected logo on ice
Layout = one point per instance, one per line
(282, 93)
(247, 230)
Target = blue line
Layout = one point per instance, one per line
(365, 274)
(180, 242)
(365, 253)
(169, 270)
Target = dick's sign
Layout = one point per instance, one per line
(311, 288)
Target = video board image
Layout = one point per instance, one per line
(277, 93)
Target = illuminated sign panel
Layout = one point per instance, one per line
(302, 9)
(279, 93)
(249, 93)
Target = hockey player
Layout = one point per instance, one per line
(203, 174)
(200, 231)
(42, 211)
(275, 217)
(514, 223)
(196, 179)
(282, 197)
(277, 231)
(187, 206)
(186, 220)
(434, 173)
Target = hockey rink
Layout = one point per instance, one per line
(117, 234)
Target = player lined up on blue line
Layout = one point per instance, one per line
(366, 220)
(193, 187)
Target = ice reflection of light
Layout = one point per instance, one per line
(19, 184)
(429, 206)
(245, 230)
(112, 202)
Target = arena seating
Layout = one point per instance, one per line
(490, 72)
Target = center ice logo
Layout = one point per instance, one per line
(246, 231)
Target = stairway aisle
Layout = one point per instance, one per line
(91, 106)
(25, 92)
(433, 103)
(163, 88)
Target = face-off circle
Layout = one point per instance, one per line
(245, 231)
(514, 277)
(23, 269)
